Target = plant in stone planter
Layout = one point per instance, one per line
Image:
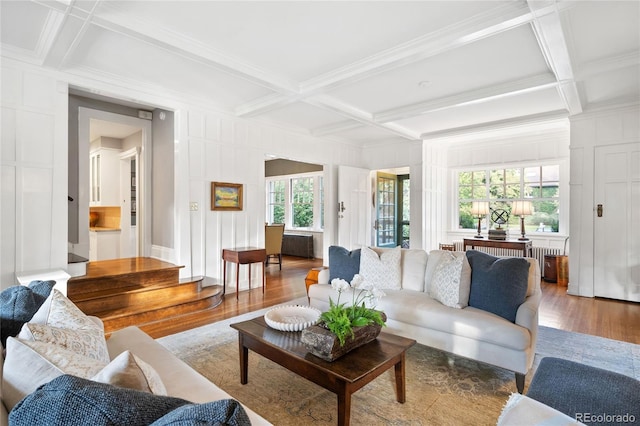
(340, 319)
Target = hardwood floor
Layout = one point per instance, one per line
(599, 317)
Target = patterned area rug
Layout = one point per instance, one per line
(442, 389)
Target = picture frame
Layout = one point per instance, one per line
(226, 196)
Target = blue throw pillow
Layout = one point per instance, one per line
(19, 303)
(498, 285)
(222, 412)
(343, 263)
(73, 401)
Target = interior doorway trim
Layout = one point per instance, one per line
(144, 181)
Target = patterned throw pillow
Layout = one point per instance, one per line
(445, 286)
(60, 322)
(382, 272)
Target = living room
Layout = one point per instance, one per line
(435, 88)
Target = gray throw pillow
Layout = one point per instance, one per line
(19, 303)
(73, 401)
(498, 285)
(343, 263)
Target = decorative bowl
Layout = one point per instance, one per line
(292, 317)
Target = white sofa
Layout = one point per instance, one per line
(468, 332)
(179, 379)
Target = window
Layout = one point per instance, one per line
(296, 200)
(275, 201)
(539, 184)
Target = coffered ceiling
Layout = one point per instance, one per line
(364, 72)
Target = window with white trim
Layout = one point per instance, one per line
(500, 187)
(296, 201)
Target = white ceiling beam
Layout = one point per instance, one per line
(190, 48)
(478, 27)
(265, 104)
(548, 30)
(538, 82)
(353, 113)
(330, 129)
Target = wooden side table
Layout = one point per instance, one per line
(312, 277)
(242, 256)
(525, 246)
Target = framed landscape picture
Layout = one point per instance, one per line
(226, 196)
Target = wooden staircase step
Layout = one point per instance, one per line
(121, 274)
(135, 297)
(116, 319)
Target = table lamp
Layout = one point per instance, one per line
(522, 208)
(479, 209)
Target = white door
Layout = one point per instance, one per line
(354, 214)
(617, 224)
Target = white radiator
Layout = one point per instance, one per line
(538, 252)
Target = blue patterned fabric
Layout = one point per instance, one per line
(579, 390)
(73, 401)
(498, 285)
(19, 303)
(343, 263)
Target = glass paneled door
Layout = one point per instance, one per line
(386, 212)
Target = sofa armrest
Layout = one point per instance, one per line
(522, 410)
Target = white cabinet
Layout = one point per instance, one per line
(104, 245)
(104, 174)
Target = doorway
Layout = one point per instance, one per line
(114, 176)
(392, 208)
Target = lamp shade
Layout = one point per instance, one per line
(522, 208)
(479, 208)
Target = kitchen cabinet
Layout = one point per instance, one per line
(104, 177)
(104, 244)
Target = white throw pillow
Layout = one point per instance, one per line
(382, 272)
(449, 275)
(129, 371)
(30, 364)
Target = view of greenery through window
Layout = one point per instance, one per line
(539, 184)
(300, 193)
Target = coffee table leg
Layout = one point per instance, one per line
(244, 360)
(344, 407)
(400, 380)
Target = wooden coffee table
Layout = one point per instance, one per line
(343, 377)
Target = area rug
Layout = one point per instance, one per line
(442, 389)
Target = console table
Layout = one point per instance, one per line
(242, 256)
(525, 246)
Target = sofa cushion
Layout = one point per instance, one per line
(343, 264)
(498, 285)
(19, 303)
(448, 287)
(381, 271)
(419, 309)
(71, 401)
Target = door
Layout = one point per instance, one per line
(386, 223)
(354, 216)
(616, 225)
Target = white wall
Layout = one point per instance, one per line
(33, 210)
(519, 145)
(608, 126)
